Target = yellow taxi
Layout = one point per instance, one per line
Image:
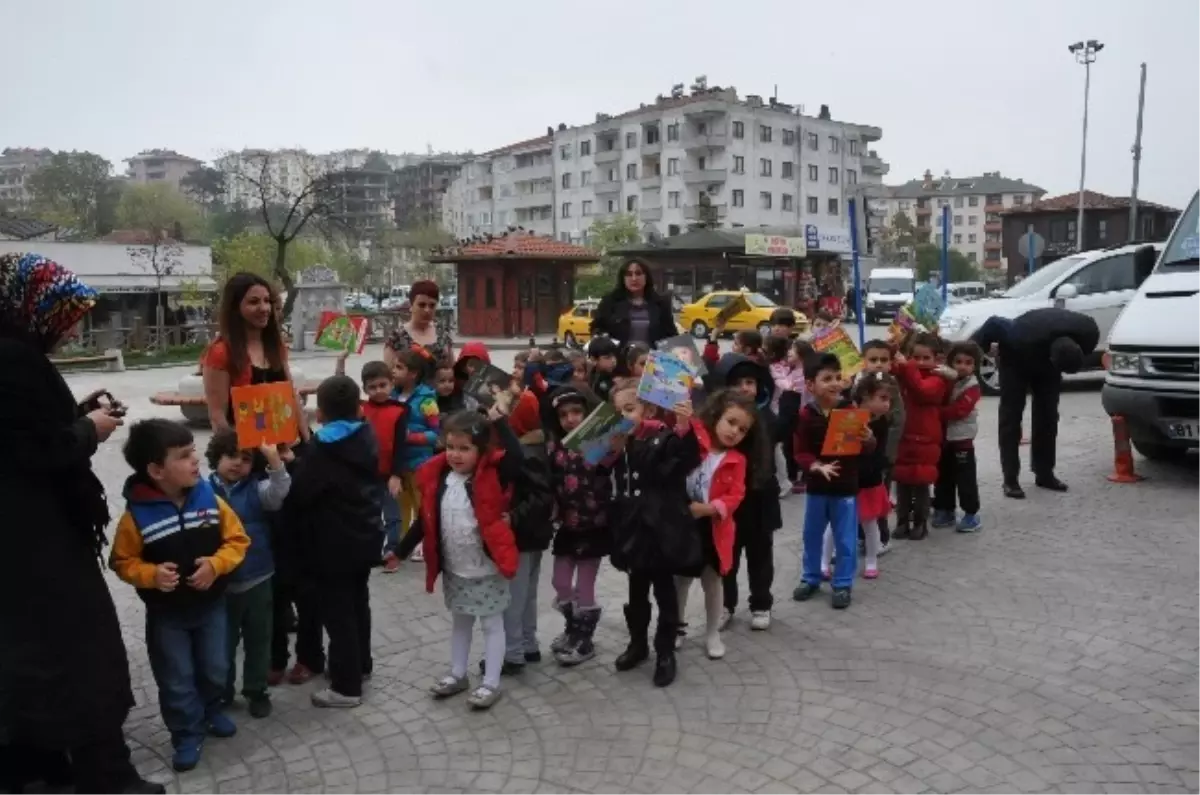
(700, 317)
(575, 325)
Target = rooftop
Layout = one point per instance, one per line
(540, 141)
(24, 228)
(988, 182)
(513, 245)
(162, 153)
(1091, 201)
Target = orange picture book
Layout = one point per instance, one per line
(265, 414)
(844, 436)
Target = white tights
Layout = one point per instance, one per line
(714, 602)
(870, 541)
(493, 646)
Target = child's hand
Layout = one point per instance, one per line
(683, 410)
(202, 579)
(946, 372)
(828, 471)
(865, 434)
(165, 577)
(395, 484)
(701, 510)
(271, 453)
(899, 358)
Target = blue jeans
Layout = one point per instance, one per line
(391, 517)
(520, 617)
(188, 656)
(841, 515)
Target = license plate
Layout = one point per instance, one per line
(1183, 430)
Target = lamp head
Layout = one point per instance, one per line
(1075, 47)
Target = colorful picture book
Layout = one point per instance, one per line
(666, 381)
(835, 340)
(484, 385)
(593, 438)
(844, 436)
(265, 414)
(684, 346)
(341, 332)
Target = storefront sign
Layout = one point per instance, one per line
(775, 246)
(832, 240)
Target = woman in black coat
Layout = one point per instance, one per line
(633, 311)
(64, 677)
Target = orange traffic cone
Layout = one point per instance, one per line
(1122, 454)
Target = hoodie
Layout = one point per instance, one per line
(733, 366)
(424, 420)
(333, 507)
(759, 509)
(471, 350)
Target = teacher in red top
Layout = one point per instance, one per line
(250, 348)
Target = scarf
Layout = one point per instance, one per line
(40, 298)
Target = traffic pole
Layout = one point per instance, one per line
(852, 208)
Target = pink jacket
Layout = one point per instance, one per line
(787, 379)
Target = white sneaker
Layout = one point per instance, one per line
(417, 556)
(884, 549)
(760, 620)
(331, 699)
(714, 646)
(726, 617)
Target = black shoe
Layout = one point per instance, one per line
(1050, 483)
(901, 532)
(841, 598)
(636, 653)
(805, 591)
(533, 657)
(1014, 491)
(260, 706)
(664, 669)
(507, 669)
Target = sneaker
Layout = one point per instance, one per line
(186, 757)
(483, 697)
(969, 523)
(714, 646)
(260, 706)
(417, 556)
(726, 617)
(449, 686)
(391, 563)
(332, 699)
(884, 549)
(760, 620)
(533, 657)
(220, 725)
(300, 674)
(665, 669)
(870, 572)
(944, 519)
(805, 591)
(841, 598)
(275, 677)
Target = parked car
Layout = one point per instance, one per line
(575, 325)
(394, 304)
(361, 302)
(699, 317)
(1097, 283)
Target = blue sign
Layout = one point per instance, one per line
(812, 237)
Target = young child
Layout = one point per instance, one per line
(635, 359)
(823, 320)
(583, 499)
(747, 343)
(873, 393)
(177, 542)
(449, 396)
(783, 323)
(785, 378)
(469, 541)
(334, 508)
(832, 485)
(602, 352)
(579, 363)
(654, 532)
(956, 468)
(877, 359)
(790, 402)
(924, 391)
(248, 596)
(423, 419)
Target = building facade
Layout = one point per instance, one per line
(360, 199)
(160, 167)
(16, 165)
(976, 205)
(421, 188)
(288, 171)
(508, 187)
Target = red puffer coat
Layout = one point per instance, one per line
(924, 393)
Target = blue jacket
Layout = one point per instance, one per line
(250, 498)
(423, 425)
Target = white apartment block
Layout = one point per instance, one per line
(16, 165)
(290, 170)
(510, 186)
(160, 166)
(757, 163)
(975, 206)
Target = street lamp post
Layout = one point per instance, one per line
(1085, 53)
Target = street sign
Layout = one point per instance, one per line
(1031, 239)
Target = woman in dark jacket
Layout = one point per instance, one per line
(64, 677)
(633, 311)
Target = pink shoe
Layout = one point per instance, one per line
(826, 575)
(799, 487)
(870, 573)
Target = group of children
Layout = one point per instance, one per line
(417, 470)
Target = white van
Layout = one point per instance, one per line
(888, 289)
(957, 292)
(1153, 359)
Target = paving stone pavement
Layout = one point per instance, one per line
(1055, 651)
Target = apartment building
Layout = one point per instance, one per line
(289, 171)
(975, 203)
(420, 188)
(16, 165)
(360, 199)
(160, 166)
(509, 186)
(750, 162)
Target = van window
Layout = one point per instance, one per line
(1183, 249)
(1105, 276)
(889, 284)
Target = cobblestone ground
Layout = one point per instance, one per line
(1055, 651)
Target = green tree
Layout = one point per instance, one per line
(255, 252)
(606, 235)
(898, 239)
(929, 262)
(204, 185)
(75, 191)
(160, 211)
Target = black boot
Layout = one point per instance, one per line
(559, 644)
(637, 619)
(664, 649)
(580, 647)
(920, 519)
(904, 499)
(664, 669)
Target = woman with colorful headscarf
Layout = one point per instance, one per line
(64, 677)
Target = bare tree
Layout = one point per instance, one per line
(161, 257)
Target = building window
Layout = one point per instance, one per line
(1071, 230)
(1102, 230)
(813, 205)
(631, 204)
(739, 197)
(833, 206)
(854, 147)
(958, 220)
(566, 180)
(585, 178)
(739, 164)
(489, 293)
(612, 206)
(787, 202)
(972, 220)
(631, 171)
(651, 134)
(957, 239)
(566, 210)
(992, 255)
(764, 167)
(764, 134)
(586, 207)
(958, 201)
(971, 256)
(672, 132)
(814, 173)
(612, 175)
(943, 203)
(971, 238)
(834, 145)
(814, 141)
(673, 199)
(789, 137)
(972, 201)
(833, 175)
(764, 200)
(1018, 200)
(739, 130)
(851, 177)
(585, 148)
(564, 151)
(787, 172)
(631, 140)
(672, 166)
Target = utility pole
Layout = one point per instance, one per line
(1085, 53)
(1137, 159)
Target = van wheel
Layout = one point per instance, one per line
(1156, 451)
(989, 375)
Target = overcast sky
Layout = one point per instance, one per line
(960, 86)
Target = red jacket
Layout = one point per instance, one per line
(924, 393)
(389, 420)
(490, 501)
(726, 493)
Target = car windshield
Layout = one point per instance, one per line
(1183, 250)
(759, 300)
(889, 284)
(1042, 278)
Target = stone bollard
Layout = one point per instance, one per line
(116, 360)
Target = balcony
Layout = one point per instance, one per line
(992, 245)
(538, 171)
(709, 107)
(993, 263)
(993, 226)
(692, 212)
(651, 182)
(651, 148)
(607, 186)
(705, 175)
(607, 155)
(712, 140)
(544, 198)
(922, 211)
(874, 164)
(607, 128)
(997, 207)
(650, 213)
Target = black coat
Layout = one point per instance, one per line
(612, 317)
(1026, 339)
(64, 676)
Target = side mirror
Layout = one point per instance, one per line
(1064, 293)
(1144, 260)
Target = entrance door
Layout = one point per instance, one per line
(547, 305)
